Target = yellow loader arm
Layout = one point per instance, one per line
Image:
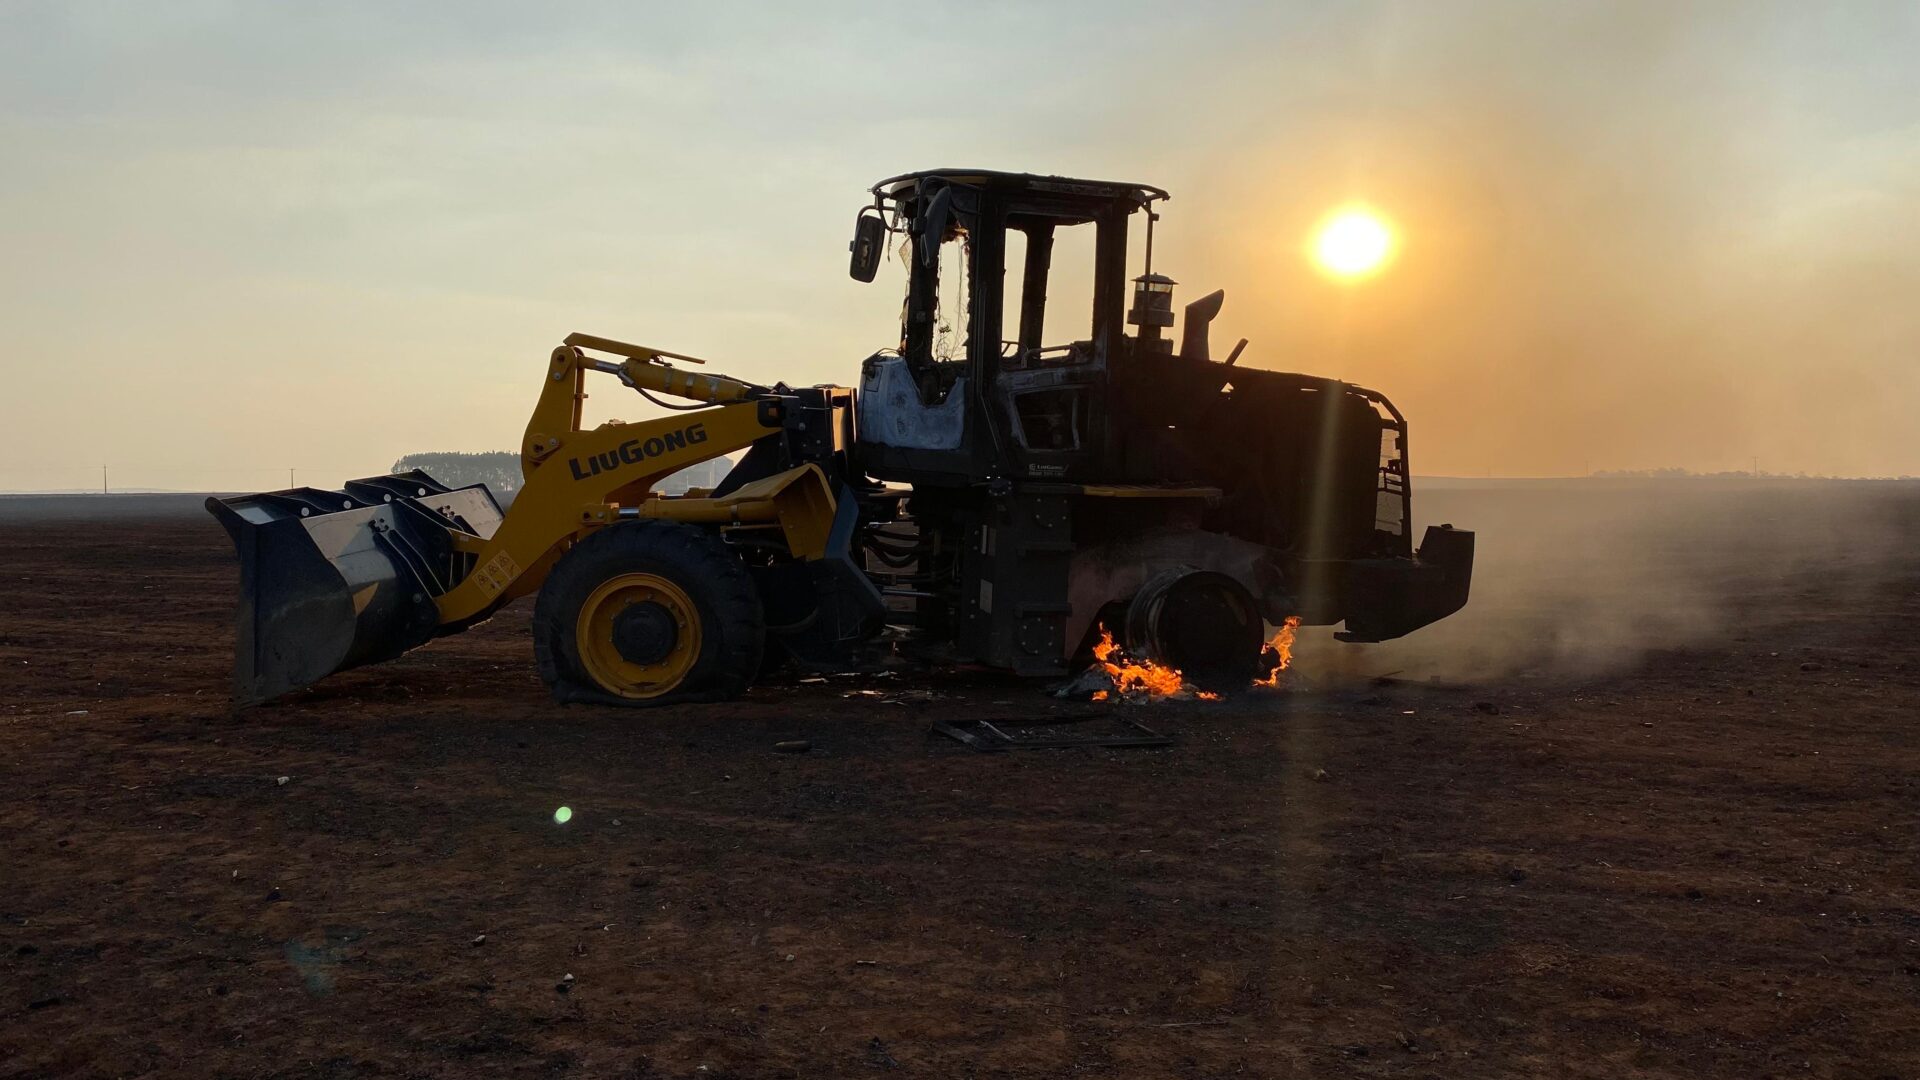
(331, 580)
(579, 479)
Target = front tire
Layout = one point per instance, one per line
(648, 613)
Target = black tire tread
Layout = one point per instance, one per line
(733, 627)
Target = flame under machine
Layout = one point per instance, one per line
(1019, 471)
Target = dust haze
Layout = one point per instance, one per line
(1587, 577)
(1635, 237)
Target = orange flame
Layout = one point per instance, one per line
(1282, 646)
(1129, 675)
(1156, 680)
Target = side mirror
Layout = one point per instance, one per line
(869, 242)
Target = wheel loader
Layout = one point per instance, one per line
(1033, 465)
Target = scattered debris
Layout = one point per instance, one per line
(1319, 775)
(793, 746)
(283, 781)
(273, 896)
(478, 939)
(878, 1056)
(1093, 684)
(1810, 666)
(987, 736)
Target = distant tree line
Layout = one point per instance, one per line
(1672, 473)
(500, 471)
(1740, 474)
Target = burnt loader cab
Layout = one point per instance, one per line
(990, 379)
(1026, 415)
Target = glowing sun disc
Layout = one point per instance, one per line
(1352, 242)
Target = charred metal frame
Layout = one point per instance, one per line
(1024, 507)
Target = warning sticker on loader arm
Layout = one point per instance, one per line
(499, 573)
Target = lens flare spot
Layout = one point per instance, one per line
(563, 815)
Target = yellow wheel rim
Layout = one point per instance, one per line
(638, 635)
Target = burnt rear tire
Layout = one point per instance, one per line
(648, 613)
(1201, 623)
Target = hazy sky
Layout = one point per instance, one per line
(238, 237)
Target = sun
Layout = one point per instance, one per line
(1352, 242)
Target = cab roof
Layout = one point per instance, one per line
(1138, 194)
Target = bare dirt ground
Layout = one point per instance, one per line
(1701, 863)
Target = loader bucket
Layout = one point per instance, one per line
(331, 580)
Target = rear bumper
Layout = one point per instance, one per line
(1386, 598)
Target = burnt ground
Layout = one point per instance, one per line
(1700, 864)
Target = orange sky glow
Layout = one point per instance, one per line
(236, 240)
